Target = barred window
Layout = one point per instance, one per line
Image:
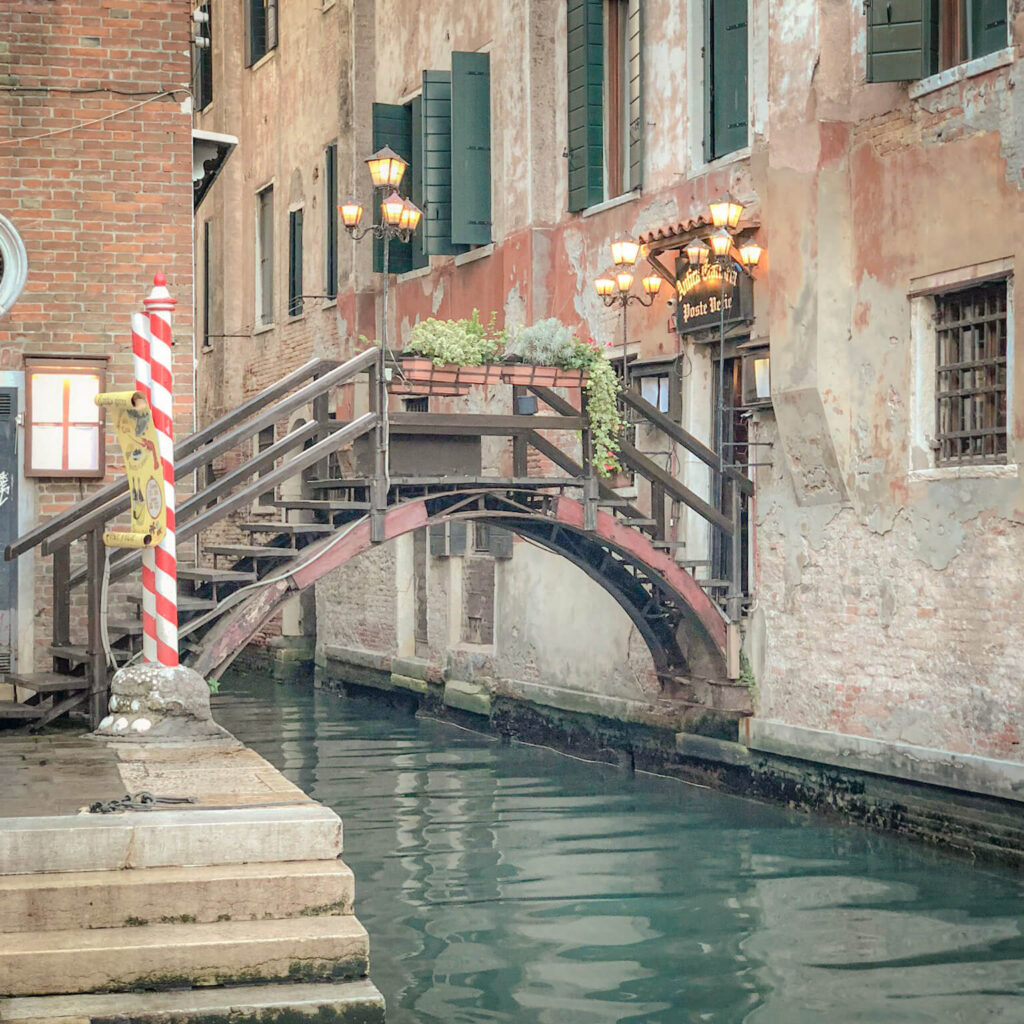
(970, 386)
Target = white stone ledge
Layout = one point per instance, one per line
(965, 772)
(978, 66)
(1009, 471)
(610, 204)
(474, 254)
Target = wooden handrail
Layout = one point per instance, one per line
(183, 448)
(684, 438)
(77, 520)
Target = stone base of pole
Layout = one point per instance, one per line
(155, 704)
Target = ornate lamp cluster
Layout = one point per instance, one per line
(725, 219)
(616, 289)
(399, 216)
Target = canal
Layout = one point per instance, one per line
(508, 883)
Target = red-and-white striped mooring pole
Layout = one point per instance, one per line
(159, 306)
(140, 357)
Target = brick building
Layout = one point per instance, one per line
(882, 176)
(95, 197)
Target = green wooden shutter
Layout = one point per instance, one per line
(415, 172)
(457, 537)
(725, 76)
(392, 126)
(585, 40)
(436, 128)
(295, 263)
(635, 66)
(499, 542)
(988, 26)
(471, 148)
(903, 40)
(331, 220)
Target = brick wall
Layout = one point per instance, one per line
(102, 206)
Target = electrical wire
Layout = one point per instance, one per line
(86, 124)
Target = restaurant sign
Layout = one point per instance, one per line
(702, 292)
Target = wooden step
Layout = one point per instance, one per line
(48, 682)
(334, 483)
(291, 529)
(10, 709)
(240, 551)
(126, 627)
(203, 574)
(321, 505)
(77, 653)
(669, 545)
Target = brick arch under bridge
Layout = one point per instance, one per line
(684, 630)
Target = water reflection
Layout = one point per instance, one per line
(510, 884)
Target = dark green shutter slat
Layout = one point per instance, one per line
(471, 148)
(295, 263)
(903, 39)
(988, 26)
(500, 542)
(257, 30)
(726, 76)
(585, 41)
(392, 126)
(438, 547)
(457, 537)
(635, 65)
(436, 141)
(331, 220)
(415, 172)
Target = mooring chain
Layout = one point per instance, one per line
(137, 802)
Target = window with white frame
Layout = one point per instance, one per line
(64, 426)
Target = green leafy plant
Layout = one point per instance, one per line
(463, 342)
(545, 343)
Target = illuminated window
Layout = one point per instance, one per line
(64, 430)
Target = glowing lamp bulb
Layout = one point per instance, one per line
(351, 213)
(392, 209)
(651, 284)
(624, 253)
(604, 286)
(623, 281)
(386, 168)
(725, 212)
(721, 242)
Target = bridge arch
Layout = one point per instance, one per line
(683, 629)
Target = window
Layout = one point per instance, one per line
(295, 263)
(331, 220)
(605, 97)
(911, 39)
(970, 375)
(202, 56)
(64, 425)
(265, 255)
(421, 403)
(623, 120)
(261, 22)
(757, 379)
(445, 135)
(659, 382)
(725, 77)
(654, 389)
(13, 264)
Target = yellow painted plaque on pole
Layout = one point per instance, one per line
(136, 434)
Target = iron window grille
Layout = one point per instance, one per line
(970, 385)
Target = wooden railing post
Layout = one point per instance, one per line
(378, 486)
(589, 476)
(321, 413)
(61, 632)
(658, 511)
(96, 554)
(734, 600)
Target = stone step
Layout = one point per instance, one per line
(175, 838)
(164, 956)
(118, 899)
(349, 1002)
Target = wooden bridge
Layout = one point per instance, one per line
(347, 503)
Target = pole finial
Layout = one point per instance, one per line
(159, 280)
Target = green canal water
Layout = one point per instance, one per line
(508, 883)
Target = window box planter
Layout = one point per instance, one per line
(418, 369)
(543, 376)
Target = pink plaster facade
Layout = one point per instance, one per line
(885, 590)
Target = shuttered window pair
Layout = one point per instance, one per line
(605, 95)
(445, 135)
(911, 39)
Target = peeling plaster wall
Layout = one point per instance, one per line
(887, 600)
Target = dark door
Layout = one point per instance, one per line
(8, 525)
(734, 423)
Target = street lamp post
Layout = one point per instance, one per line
(722, 250)
(616, 291)
(398, 221)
